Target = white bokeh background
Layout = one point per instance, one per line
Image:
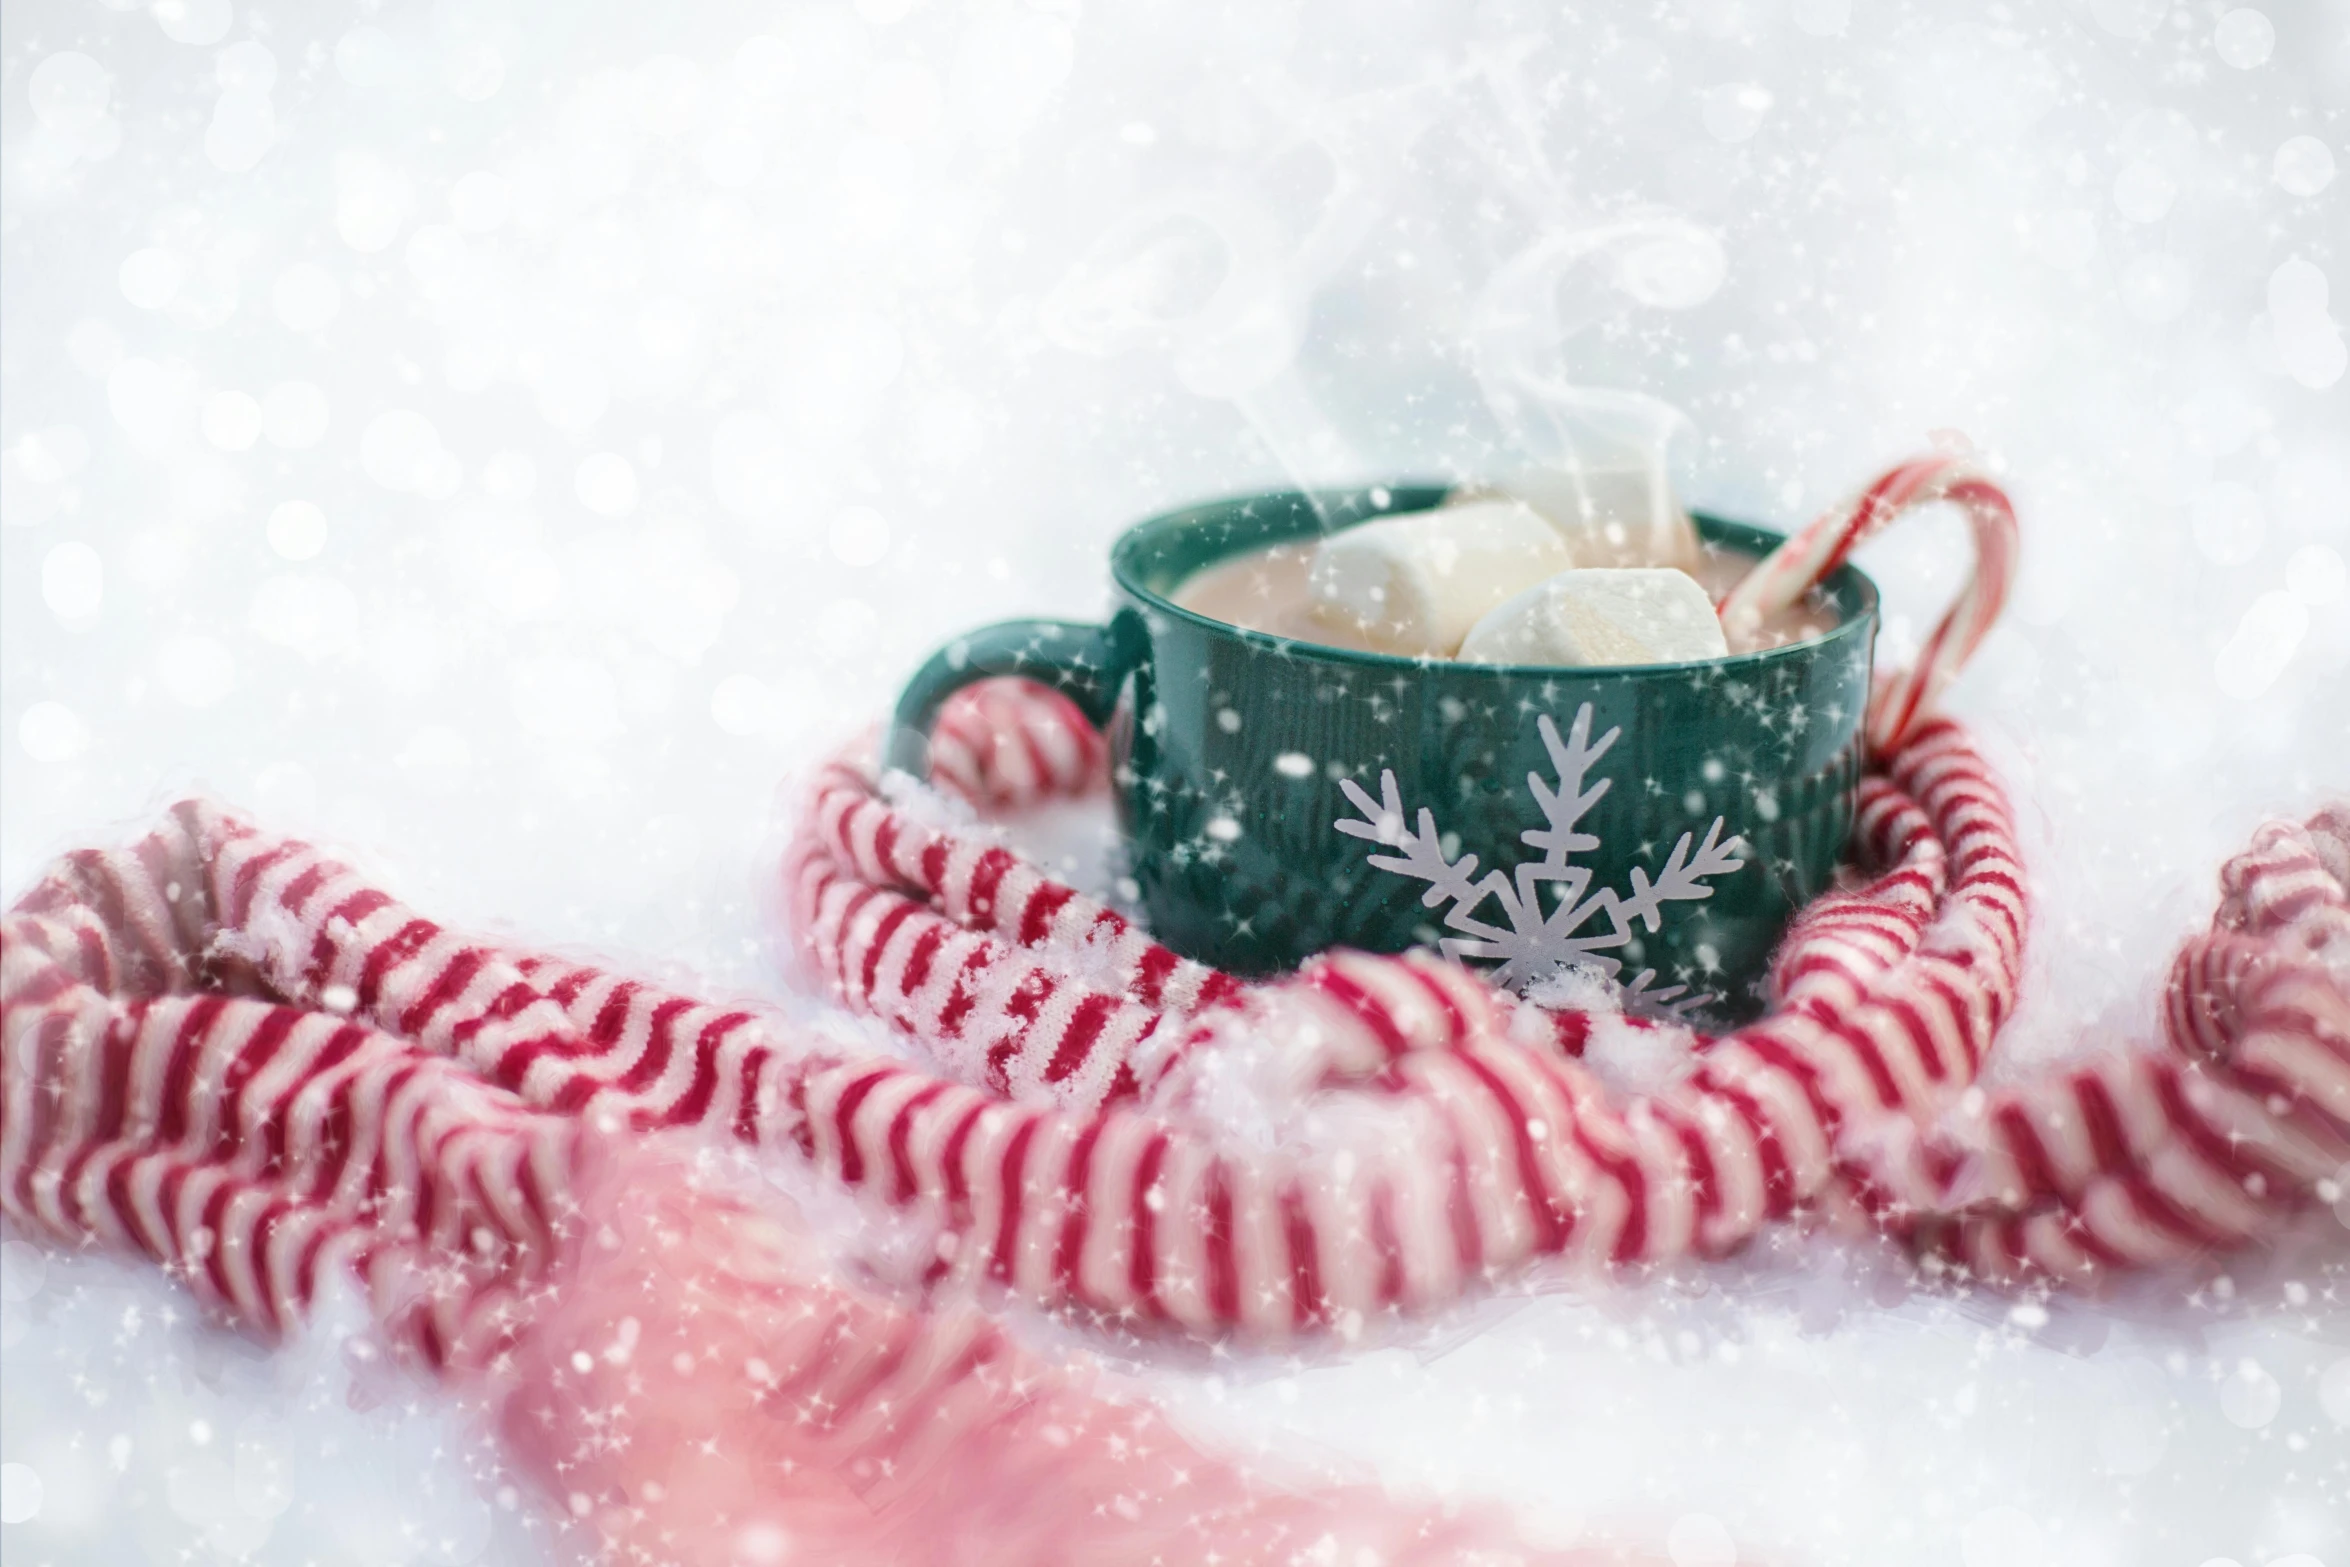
(507, 439)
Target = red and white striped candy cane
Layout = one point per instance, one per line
(1800, 564)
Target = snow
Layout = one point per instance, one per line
(893, 314)
(135, 1433)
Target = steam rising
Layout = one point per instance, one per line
(1220, 282)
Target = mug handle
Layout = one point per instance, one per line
(1075, 658)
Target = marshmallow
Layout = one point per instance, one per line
(1611, 516)
(1415, 584)
(1598, 615)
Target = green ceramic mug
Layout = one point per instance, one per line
(1659, 823)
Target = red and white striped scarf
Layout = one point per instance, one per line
(234, 1054)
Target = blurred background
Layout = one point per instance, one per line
(508, 440)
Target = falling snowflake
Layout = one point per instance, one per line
(1583, 924)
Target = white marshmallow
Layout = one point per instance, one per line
(1415, 584)
(1601, 615)
(1612, 516)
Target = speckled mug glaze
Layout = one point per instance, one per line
(1231, 751)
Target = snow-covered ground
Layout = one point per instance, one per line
(506, 439)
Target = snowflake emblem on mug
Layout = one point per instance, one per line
(1582, 925)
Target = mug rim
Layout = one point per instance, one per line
(1847, 578)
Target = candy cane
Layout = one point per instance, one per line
(1807, 558)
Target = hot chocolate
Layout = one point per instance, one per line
(1267, 590)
